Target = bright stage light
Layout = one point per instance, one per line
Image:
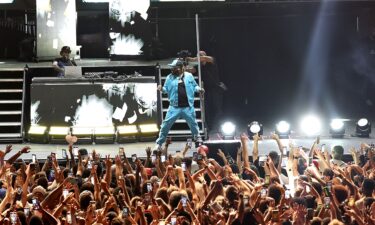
(148, 132)
(37, 134)
(104, 135)
(57, 134)
(311, 125)
(337, 128)
(283, 129)
(228, 129)
(127, 129)
(82, 130)
(104, 130)
(362, 122)
(37, 130)
(149, 128)
(337, 124)
(127, 133)
(254, 128)
(363, 128)
(84, 134)
(59, 131)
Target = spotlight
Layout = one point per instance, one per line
(311, 125)
(84, 134)
(57, 134)
(127, 133)
(149, 128)
(37, 134)
(283, 129)
(337, 128)
(104, 135)
(228, 130)
(254, 128)
(149, 132)
(363, 128)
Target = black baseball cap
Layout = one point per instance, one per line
(66, 49)
(176, 63)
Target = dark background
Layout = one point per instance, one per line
(279, 60)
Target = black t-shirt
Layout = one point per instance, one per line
(65, 62)
(182, 97)
(210, 75)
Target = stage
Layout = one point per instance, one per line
(229, 146)
(265, 146)
(104, 62)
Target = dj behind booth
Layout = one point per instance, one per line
(94, 101)
(65, 66)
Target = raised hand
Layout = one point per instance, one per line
(299, 214)
(25, 149)
(256, 137)
(94, 156)
(275, 136)
(353, 151)
(221, 153)
(244, 137)
(118, 161)
(108, 161)
(8, 149)
(148, 151)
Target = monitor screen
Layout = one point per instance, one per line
(93, 105)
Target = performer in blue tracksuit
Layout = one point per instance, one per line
(180, 87)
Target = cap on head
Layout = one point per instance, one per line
(65, 49)
(176, 63)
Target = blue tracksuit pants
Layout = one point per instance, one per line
(173, 114)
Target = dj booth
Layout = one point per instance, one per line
(93, 102)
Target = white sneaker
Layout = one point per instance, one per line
(198, 141)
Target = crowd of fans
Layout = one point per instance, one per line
(292, 186)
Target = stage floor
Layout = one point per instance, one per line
(265, 146)
(16, 65)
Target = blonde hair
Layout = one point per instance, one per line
(336, 222)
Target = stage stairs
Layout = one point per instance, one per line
(11, 105)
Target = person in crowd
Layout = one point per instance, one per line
(65, 60)
(337, 154)
(180, 87)
(179, 190)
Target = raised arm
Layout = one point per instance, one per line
(255, 150)
(206, 58)
(280, 146)
(12, 159)
(238, 159)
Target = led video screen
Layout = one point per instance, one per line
(56, 27)
(130, 31)
(93, 105)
